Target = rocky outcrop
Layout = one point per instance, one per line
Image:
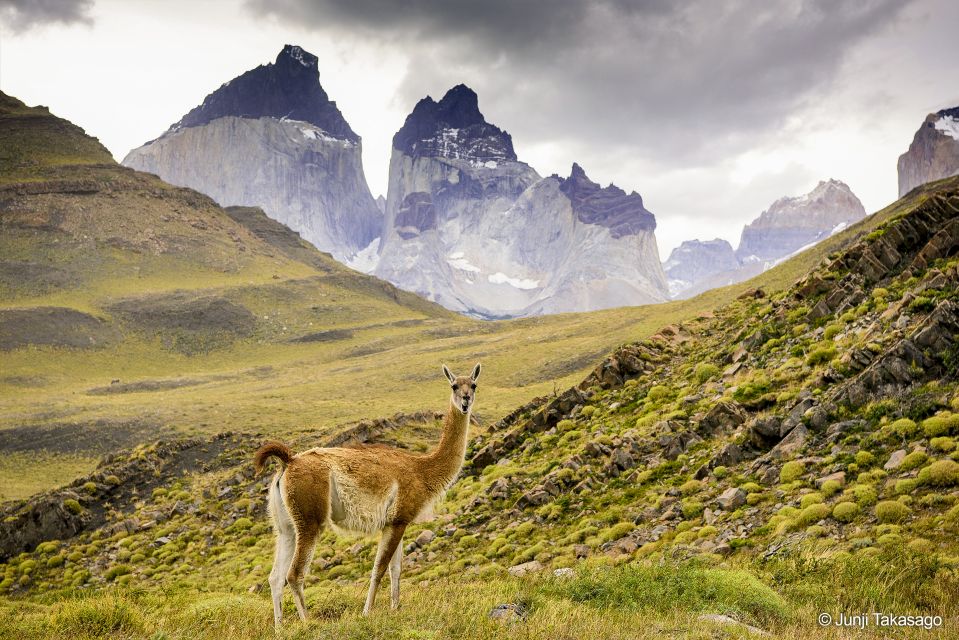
(470, 226)
(789, 226)
(272, 138)
(934, 152)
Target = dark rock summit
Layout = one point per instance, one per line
(934, 152)
(287, 88)
(452, 128)
(623, 214)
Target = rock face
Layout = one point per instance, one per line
(791, 224)
(934, 152)
(470, 226)
(695, 261)
(787, 227)
(272, 138)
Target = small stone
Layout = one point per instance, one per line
(581, 550)
(564, 572)
(508, 613)
(709, 517)
(731, 498)
(426, 536)
(162, 540)
(895, 460)
(718, 618)
(520, 570)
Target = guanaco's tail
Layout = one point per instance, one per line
(271, 449)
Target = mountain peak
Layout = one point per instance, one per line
(454, 128)
(292, 53)
(623, 214)
(287, 88)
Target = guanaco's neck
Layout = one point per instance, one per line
(446, 460)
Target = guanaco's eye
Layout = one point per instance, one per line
(453, 387)
(473, 386)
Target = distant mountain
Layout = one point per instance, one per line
(272, 138)
(472, 227)
(934, 152)
(788, 226)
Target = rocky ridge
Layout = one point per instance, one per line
(470, 226)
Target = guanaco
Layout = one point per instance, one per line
(364, 489)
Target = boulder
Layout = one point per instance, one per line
(731, 499)
(520, 570)
(895, 460)
(791, 444)
(724, 415)
(426, 536)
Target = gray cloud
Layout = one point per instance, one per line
(22, 15)
(679, 82)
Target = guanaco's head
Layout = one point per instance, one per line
(464, 389)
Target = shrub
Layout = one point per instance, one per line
(692, 509)
(904, 428)
(690, 487)
(116, 571)
(892, 511)
(668, 586)
(913, 461)
(565, 425)
(791, 471)
(812, 514)
(941, 425)
(943, 444)
(865, 459)
(832, 331)
(708, 531)
(865, 494)
(811, 499)
(99, 617)
(942, 473)
(588, 411)
(830, 488)
(906, 486)
(720, 472)
(112, 480)
(658, 392)
(821, 355)
(73, 506)
(705, 371)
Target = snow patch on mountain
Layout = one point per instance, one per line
(949, 126)
(519, 283)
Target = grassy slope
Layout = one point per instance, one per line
(138, 237)
(227, 552)
(781, 568)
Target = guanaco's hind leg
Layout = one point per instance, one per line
(395, 576)
(389, 543)
(302, 556)
(308, 501)
(285, 542)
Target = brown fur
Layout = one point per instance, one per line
(270, 449)
(365, 489)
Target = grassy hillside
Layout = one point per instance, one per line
(786, 456)
(131, 309)
(766, 454)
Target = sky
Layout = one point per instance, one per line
(709, 109)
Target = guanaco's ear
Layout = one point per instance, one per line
(476, 372)
(449, 374)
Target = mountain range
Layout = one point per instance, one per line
(788, 226)
(464, 223)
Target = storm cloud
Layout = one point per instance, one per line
(22, 15)
(691, 81)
